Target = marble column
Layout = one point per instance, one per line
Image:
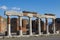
(54, 28)
(39, 27)
(8, 26)
(20, 25)
(30, 25)
(47, 26)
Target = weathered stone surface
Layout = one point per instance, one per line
(34, 38)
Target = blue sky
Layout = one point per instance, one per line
(39, 6)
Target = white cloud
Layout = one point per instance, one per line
(7, 8)
(15, 8)
(3, 7)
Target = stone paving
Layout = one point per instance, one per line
(33, 38)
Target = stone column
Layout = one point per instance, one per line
(8, 26)
(20, 25)
(39, 27)
(54, 26)
(30, 25)
(47, 26)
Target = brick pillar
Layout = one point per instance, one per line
(0, 23)
(8, 26)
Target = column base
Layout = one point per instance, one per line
(54, 33)
(9, 36)
(48, 33)
(40, 33)
(21, 33)
(57, 32)
(31, 34)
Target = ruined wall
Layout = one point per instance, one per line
(24, 25)
(3, 25)
(14, 25)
